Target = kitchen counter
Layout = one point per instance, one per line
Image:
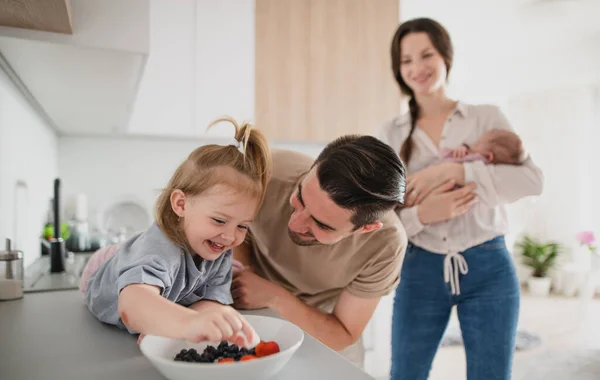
(54, 336)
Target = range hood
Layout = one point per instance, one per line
(87, 80)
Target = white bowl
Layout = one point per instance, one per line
(161, 353)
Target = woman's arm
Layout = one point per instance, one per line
(442, 204)
(496, 184)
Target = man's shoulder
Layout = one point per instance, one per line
(383, 244)
(288, 167)
(392, 234)
(288, 162)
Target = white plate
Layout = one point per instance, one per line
(161, 353)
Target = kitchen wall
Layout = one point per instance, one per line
(110, 170)
(561, 128)
(28, 153)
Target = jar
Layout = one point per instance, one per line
(11, 273)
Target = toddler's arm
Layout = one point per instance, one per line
(142, 309)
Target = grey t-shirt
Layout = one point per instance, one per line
(151, 258)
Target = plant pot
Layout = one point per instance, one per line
(539, 287)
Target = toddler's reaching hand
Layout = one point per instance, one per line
(220, 324)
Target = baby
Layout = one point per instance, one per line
(497, 146)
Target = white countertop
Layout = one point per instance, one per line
(52, 335)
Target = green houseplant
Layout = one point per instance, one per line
(541, 258)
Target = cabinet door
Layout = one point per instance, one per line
(224, 69)
(323, 67)
(164, 104)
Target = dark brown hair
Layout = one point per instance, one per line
(441, 41)
(200, 171)
(362, 174)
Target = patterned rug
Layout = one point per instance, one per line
(564, 364)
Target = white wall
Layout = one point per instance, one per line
(560, 128)
(510, 47)
(127, 168)
(28, 152)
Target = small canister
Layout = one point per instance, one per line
(11, 273)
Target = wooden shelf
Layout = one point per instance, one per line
(44, 15)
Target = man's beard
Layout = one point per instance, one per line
(301, 242)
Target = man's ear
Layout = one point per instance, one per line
(369, 227)
(178, 199)
(489, 156)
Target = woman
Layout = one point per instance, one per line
(454, 216)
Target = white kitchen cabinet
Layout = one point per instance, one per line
(224, 58)
(199, 68)
(164, 105)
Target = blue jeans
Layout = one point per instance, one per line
(488, 310)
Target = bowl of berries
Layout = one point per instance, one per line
(182, 360)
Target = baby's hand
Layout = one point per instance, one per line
(460, 152)
(220, 324)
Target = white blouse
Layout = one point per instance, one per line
(496, 185)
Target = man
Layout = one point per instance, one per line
(326, 244)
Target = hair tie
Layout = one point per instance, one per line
(237, 144)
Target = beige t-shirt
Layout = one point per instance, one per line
(367, 265)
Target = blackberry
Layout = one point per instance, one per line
(223, 345)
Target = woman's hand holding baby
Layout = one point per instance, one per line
(444, 203)
(419, 185)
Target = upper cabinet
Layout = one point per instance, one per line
(81, 74)
(200, 67)
(307, 70)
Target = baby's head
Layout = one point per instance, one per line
(216, 192)
(500, 146)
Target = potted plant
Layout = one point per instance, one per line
(541, 257)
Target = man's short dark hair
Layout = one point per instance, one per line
(362, 174)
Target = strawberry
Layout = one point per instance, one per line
(226, 360)
(266, 349)
(248, 357)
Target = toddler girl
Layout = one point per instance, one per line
(174, 279)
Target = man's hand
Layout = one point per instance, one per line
(250, 291)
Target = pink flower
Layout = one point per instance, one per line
(586, 238)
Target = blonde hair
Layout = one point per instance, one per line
(199, 172)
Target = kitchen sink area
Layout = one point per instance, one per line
(39, 278)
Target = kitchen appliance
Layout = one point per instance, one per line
(11, 273)
(57, 244)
